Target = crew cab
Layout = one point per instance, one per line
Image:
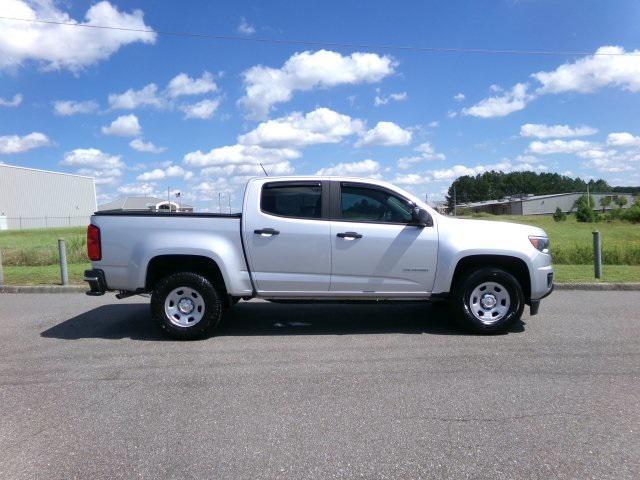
(316, 239)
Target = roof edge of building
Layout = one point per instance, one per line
(46, 171)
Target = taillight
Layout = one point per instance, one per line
(94, 248)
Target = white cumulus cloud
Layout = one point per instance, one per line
(365, 168)
(240, 155)
(386, 134)
(610, 66)
(322, 125)
(425, 152)
(393, 97)
(622, 69)
(146, 189)
(132, 99)
(183, 84)
(503, 104)
(64, 47)
(245, 28)
(124, 126)
(172, 171)
(623, 139)
(17, 144)
(67, 108)
(559, 146)
(14, 102)
(539, 130)
(141, 146)
(202, 110)
(266, 86)
(92, 157)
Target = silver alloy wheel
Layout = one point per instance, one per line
(184, 307)
(489, 302)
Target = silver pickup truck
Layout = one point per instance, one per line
(318, 239)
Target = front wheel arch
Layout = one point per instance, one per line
(513, 265)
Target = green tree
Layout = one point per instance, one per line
(559, 215)
(621, 201)
(605, 202)
(495, 185)
(584, 209)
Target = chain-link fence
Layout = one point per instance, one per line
(25, 223)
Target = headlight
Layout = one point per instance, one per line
(540, 243)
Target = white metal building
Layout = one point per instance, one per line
(31, 198)
(542, 204)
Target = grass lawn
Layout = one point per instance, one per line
(50, 274)
(572, 241)
(40, 246)
(584, 274)
(43, 274)
(30, 257)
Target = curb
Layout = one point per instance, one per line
(82, 288)
(598, 286)
(43, 289)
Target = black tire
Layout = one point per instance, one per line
(209, 294)
(462, 303)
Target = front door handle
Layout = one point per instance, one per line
(266, 232)
(349, 235)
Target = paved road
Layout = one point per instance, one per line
(88, 389)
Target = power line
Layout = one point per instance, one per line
(312, 43)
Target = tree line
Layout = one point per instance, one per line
(496, 185)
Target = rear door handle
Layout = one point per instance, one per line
(349, 235)
(266, 232)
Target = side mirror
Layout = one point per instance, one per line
(420, 218)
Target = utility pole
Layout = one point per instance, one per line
(219, 202)
(455, 201)
(229, 198)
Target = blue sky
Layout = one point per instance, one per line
(143, 112)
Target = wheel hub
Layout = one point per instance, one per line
(185, 306)
(488, 301)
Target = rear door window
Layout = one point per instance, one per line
(292, 200)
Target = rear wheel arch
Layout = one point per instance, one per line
(162, 266)
(510, 264)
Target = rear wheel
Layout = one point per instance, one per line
(488, 300)
(186, 305)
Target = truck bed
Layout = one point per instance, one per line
(130, 239)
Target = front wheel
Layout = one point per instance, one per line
(186, 305)
(489, 300)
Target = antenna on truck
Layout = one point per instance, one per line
(265, 172)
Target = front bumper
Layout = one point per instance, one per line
(97, 284)
(541, 283)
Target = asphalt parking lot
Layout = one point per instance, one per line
(90, 389)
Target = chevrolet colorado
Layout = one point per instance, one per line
(314, 239)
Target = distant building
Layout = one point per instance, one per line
(440, 206)
(31, 198)
(540, 204)
(153, 204)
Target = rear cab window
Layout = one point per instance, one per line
(294, 200)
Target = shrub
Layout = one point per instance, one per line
(631, 214)
(584, 209)
(559, 215)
